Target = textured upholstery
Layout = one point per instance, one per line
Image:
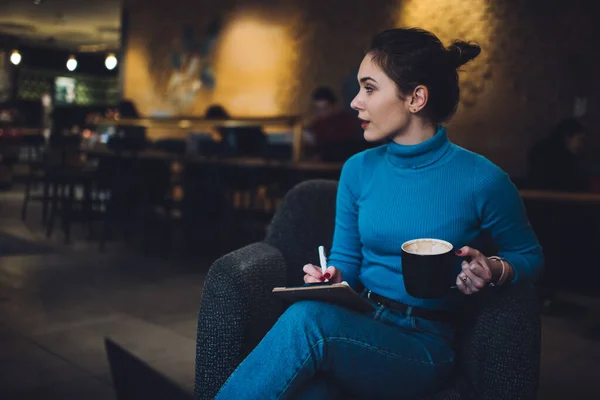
(304, 220)
(236, 311)
(498, 346)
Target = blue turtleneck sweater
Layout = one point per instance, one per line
(436, 189)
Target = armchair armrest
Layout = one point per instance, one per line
(236, 311)
(499, 357)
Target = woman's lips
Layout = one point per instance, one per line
(365, 124)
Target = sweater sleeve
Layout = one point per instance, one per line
(503, 215)
(346, 251)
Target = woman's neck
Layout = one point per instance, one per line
(418, 131)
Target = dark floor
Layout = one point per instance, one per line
(58, 302)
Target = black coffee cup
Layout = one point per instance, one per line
(427, 266)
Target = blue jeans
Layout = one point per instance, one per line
(322, 351)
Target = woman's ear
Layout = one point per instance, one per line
(418, 100)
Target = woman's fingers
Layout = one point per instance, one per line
(481, 270)
(311, 279)
(469, 280)
(474, 282)
(315, 275)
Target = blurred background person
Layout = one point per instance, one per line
(128, 137)
(334, 134)
(554, 162)
(240, 141)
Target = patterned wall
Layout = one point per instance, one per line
(538, 55)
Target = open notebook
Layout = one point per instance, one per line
(335, 293)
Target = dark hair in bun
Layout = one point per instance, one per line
(461, 52)
(413, 57)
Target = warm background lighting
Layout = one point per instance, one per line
(15, 57)
(71, 63)
(253, 61)
(110, 62)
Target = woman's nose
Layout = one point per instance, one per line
(356, 104)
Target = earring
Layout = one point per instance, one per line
(413, 110)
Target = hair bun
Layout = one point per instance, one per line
(461, 52)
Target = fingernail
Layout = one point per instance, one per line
(458, 252)
(322, 279)
(472, 267)
(327, 275)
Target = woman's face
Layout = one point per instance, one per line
(383, 113)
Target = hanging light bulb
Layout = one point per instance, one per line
(110, 62)
(15, 57)
(72, 63)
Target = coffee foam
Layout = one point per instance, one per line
(427, 247)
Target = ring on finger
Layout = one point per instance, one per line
(464, 278)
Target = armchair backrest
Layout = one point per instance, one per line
(304, 220)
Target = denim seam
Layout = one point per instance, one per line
(413, 323)
(389, 353)
(435, 335)
(287, 386)
(430, 362)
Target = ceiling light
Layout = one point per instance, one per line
(72, 63)
(110, 62)
(15, 57)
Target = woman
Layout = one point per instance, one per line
(416, 185)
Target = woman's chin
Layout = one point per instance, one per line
(371, 136)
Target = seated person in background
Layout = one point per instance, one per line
(239, 141)
(129, 137)
(554, 162)
(216, 111)
(210, 143)
(554, 165)
(334, 134)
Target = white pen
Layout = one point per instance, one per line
(323, 261)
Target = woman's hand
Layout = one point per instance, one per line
(476, 274)
(314, 274)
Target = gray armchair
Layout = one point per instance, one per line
(498, 346)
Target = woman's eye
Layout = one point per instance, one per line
(369, 89)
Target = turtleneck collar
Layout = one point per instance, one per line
(419, 155)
